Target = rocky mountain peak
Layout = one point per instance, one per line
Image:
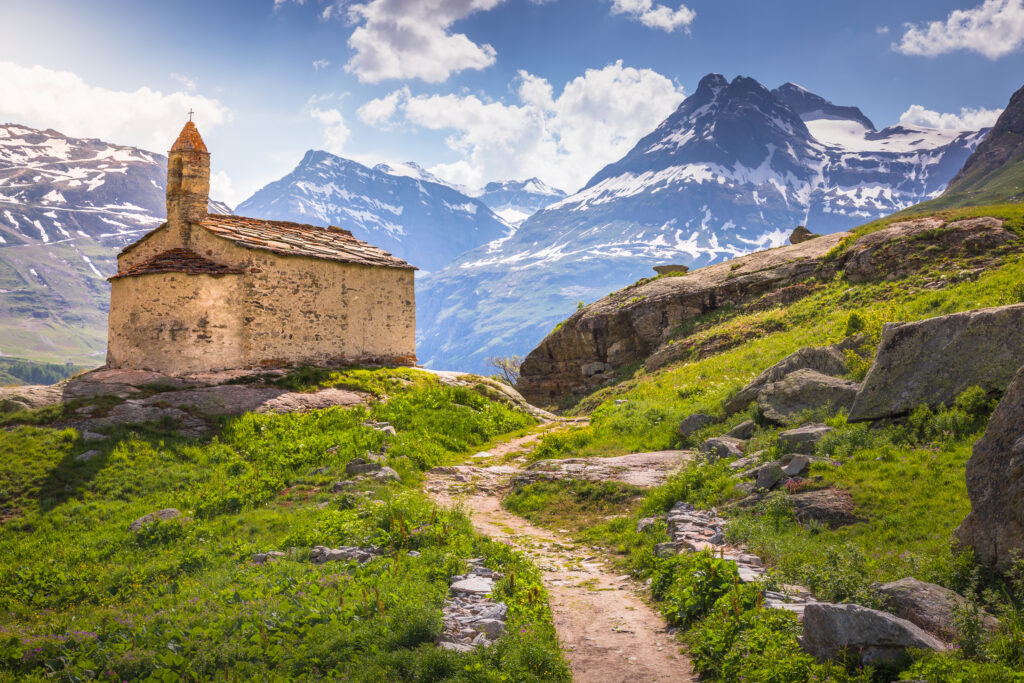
(1003, 145)
(812, 107)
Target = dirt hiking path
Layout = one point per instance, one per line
(607, 631)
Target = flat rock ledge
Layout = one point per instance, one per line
(470, 618)
(644, 470)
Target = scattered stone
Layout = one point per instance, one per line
(322, 554)
(801, 234)
(768, 476)
(361, 466)
(382, 427)
(793, 464)
(695, 423)
(666, 270)
(384, 474)
(832, 507)
(87, 456)
(931, 362)
(339, 486)
(159, 515)
(719, 447)
(665, 549)
(639, 469)
(878, 637)
(646, 523)
(995, 483)
(931, 607)
(744, 430)
(413, 553)
(828, 360)
(803, 439)
(469, 618)
(264, 558)
(88, 436)
(804, 390)
(745, 463)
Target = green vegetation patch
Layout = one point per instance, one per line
(85, 598)
(572, 504)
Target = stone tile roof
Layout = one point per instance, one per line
(189, 140)
(178, 261)
(297, 239)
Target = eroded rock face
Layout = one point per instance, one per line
(995, 482)
(638, 323)
(930, 362)
(631, 324)
(878, 637)
(784, 401)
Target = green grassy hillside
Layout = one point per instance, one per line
(906, 481)
(84, 598)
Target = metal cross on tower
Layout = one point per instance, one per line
(190, 113)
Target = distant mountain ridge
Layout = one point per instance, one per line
(402, 209)
(517, 200)
(734, 169)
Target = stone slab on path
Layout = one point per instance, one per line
(645, 470)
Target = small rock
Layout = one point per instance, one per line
(87, 456)
(492, 627)
(321, 554)
(695, 423)
(745, 463)
(384, 474)
(165, 514)
(272, 556)
(88, 436)
(473, 586)
(833, 507)
(646, 523)
(666, 550)
(665, 270)
(495, 610)
(413, 553)
(744, 430)
(801, 234)
(381, 427)
(793, 464)
(361, 466)
(803, 439)
(719, 447)
(768, 476)
(339, 486)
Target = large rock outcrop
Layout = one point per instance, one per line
(995, 483)
(930, 362)
(650, 322)
(785, 401)
(877, 637)
(931, 607)
(827, 360)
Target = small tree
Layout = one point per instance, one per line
(507, 367)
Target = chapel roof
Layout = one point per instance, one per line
(178, 260)
(189, 140)
(294, 239)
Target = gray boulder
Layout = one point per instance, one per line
(828, 360)
(831, 507)
(720, 447)
(793, 464)
(930, 362)
(768, 476)
(159, 515)
(995, 483)
(744, 430)
(931, 607)
(878, 637)
(695, 423)
(321, 554)
(803, 439)
(784, 401)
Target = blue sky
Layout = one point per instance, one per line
(478, 90)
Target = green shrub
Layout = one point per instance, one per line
(688, 586)
(700, 483)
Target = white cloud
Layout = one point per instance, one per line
(882, 30)
(563, 140)
(994, 28)
(44, 98)
(380, 111)
(335, 131)
(223, 189)
(655, 16)
(321, 64)
(406, 39)
(967, 119)
(189, 84)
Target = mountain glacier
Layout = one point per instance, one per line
(734, 169)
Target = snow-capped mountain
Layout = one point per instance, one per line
(735, 168)
(517, 200)
(67, 206)
(400, 208)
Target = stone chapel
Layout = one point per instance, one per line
(206, 292)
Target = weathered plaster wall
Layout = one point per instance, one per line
(292, 310)
(176, 322)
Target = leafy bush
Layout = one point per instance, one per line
(689, 585)
(700, 483)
